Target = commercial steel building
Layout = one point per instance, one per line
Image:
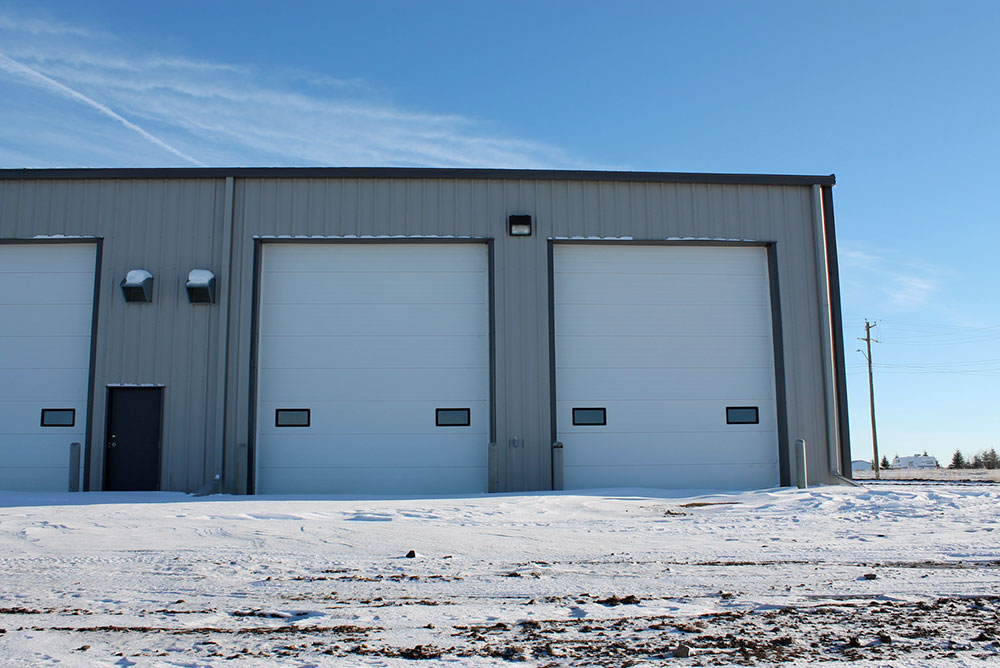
(416, 331)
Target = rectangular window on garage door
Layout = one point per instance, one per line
(292, 417)
(742, 415)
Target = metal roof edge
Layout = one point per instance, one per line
(409, 173)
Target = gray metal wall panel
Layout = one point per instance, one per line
(171, 226)
(168, 228)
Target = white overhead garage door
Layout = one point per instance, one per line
(374, 368)
(664, 366)
(46, 311)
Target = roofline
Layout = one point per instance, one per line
(410, 173)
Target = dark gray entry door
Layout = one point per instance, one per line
(132, 444)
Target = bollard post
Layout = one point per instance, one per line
(557, 465)
(801, 468)
(74, 467)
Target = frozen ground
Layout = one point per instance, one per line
(954, 475)
(891, 575)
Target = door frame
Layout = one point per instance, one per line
(108, 406)
(777, 336)
(98, 243)
(258, 250)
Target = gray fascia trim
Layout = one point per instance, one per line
(837, 325)
(414, 173)
(778, 345)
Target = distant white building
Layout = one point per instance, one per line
(861, 465)
(915, 462)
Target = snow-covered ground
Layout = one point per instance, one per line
(890, 575)
(970, 475)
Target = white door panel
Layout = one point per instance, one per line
(664, 339)
(46, 314)
(372, 339)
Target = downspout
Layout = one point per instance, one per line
(826, 334)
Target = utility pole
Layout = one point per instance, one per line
(871, 387)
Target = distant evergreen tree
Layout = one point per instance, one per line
(957, 461)
(977, 462)
(990, 459)
(884, 463)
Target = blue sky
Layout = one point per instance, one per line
(900, 99)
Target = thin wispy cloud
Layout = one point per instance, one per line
(218, 113)
(34, 26)
(39, 79)
(906, 283)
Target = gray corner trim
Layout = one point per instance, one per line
(414, 173)
(491, 304)
(837, 326)
(778, 344)
(254, 348)
(550, 253)
(88, 447)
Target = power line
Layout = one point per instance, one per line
(932, 334)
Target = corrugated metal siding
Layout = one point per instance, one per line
(171, 226)
(479, 208)
(168, 228)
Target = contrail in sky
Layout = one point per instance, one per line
(14, 67)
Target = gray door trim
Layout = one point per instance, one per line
(780, 390)
(254, 352)
(553, 435)
(108, 407)
(94, 322)
(92, 376)
(491, 304)
(258, 244)
(781, 406)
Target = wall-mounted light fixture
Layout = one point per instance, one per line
(137, 286)
(519, 225)
(201, 286)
